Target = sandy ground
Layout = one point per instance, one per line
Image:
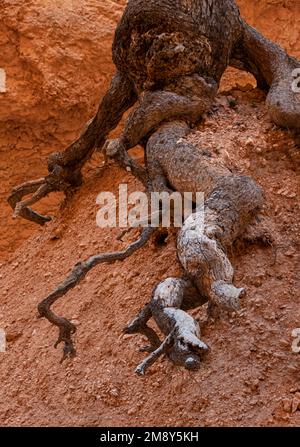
(250, 376)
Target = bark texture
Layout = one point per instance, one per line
(232, 203)
(170, 56)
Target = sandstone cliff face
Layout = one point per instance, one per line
(57, 57)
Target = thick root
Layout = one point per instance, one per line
(274, 70)
(202, 241)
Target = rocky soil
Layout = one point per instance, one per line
(58, 63)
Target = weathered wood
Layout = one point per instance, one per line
(232, 202)
(66, 328)
(170, 55)
(273, 69)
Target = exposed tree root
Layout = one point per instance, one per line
(232, 202)
(65, 167)
(39, 189)
(182, 344)
(170, 56)
(66, 328)
(230, 207)
(173, 297)
(274, 71)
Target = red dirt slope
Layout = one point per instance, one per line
(250, 377)
(58, 63)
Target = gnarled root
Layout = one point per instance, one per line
(65, 167)
(230, 207)
(182, 344)
(187, 99)
(139, 325)
(66, 328)
(275, 72)
(116, 150)
(258, 232)
(202, 241)
(39, 189)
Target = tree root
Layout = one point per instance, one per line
(162, 349)
(232, 202)
(170, 300)
(273, 69)
(182, 344)
(139, 325)
(174, 69)
(65, 167)
(229, 209)
(183, 294)
(115, 150)
(201, 245)
(39, 189)
(66, 328)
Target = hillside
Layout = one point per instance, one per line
(251, 376)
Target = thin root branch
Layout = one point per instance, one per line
(66, 328)
(139, 325)
(39, 188)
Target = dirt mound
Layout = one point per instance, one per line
(58, 64)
